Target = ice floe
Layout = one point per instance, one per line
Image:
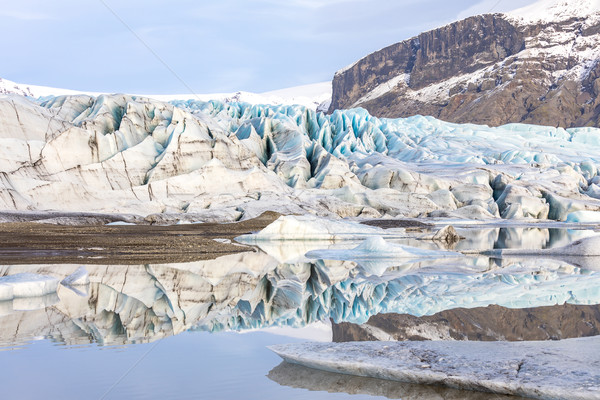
(309, 227)
(588, 247)
(26, 285)
(564, 369)
(79, 277)
(297, 376)
(375, 255)
(376, 247)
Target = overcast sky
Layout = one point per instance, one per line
(213, 46)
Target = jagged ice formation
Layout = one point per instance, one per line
(195, 160)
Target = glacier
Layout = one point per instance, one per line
(214, 161)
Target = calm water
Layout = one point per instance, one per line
(201, 330)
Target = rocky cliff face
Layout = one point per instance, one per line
(489, 69)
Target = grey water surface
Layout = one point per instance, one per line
(201, 329)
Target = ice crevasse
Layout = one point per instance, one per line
(215, 161)
(512, 171)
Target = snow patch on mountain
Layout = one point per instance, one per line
(557, 10)
(384, 88)
(311, 96)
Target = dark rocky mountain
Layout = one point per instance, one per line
(481, 323)
(538, 65)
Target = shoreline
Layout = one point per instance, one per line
(32, 243)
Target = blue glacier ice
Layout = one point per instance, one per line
(412, 139)
(512, 171)
(215, 161)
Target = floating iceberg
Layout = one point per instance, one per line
(298, 376)
(309, 227)
(376, 247)
(582, 251)
(565, 369)
(26, 285)
(376, 255)
(77, 278)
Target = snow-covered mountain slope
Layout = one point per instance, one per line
(556, 10)
(539, 64)
(225, 161)
(317, 95)
(34, 91)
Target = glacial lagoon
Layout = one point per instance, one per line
(201, 329)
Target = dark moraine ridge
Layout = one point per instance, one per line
(33, 242)
(483, 324)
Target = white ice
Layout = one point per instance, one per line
(77, 278)
(311, 96)
(376, 255)
(309, 227)
(566, 369)
(26, 285)
(215, 161)
(582, 252)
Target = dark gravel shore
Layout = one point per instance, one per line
(32, 243)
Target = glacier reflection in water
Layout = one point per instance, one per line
(143, 303)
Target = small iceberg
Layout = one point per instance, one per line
(78, 281)
(562, 369)
(584, 253)
(78, 278)
(377, 247)
(375, 255)
(26, 285)
(310, 227)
